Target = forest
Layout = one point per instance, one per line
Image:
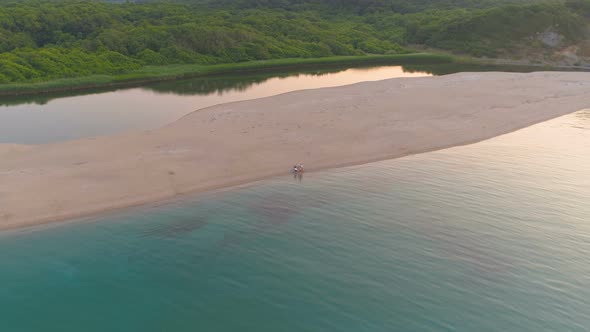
(43, 40)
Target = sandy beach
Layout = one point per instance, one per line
(240, 142)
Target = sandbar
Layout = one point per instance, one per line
(240, 142)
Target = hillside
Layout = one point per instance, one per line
(45, 40)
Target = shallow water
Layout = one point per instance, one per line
(493, 236)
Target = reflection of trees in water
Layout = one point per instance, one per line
(194, 86)
(207, 85)
(36, 100)
(46, 98)
(228, 83)
(225, 83)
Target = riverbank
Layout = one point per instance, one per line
(240, 142)
(152, 74)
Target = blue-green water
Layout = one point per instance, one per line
(489, 237)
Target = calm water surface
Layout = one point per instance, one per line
(40, 120)
(47, 119)
(488, 237)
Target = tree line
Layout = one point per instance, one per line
(41, 40)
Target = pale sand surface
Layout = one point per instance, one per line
(240, 142)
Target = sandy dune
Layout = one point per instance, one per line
(240, 142)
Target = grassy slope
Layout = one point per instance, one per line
(172, 72)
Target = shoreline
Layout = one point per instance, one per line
(77, 217)
(338, 127)
(155, 74)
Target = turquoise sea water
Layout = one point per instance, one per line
(493, 236)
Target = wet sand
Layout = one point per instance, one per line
(240, 142)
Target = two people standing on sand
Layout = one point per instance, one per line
(298, 168)
(297, 171)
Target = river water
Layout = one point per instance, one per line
(54, 118)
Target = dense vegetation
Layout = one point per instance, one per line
(43, 40)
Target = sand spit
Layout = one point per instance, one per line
(240, 142)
